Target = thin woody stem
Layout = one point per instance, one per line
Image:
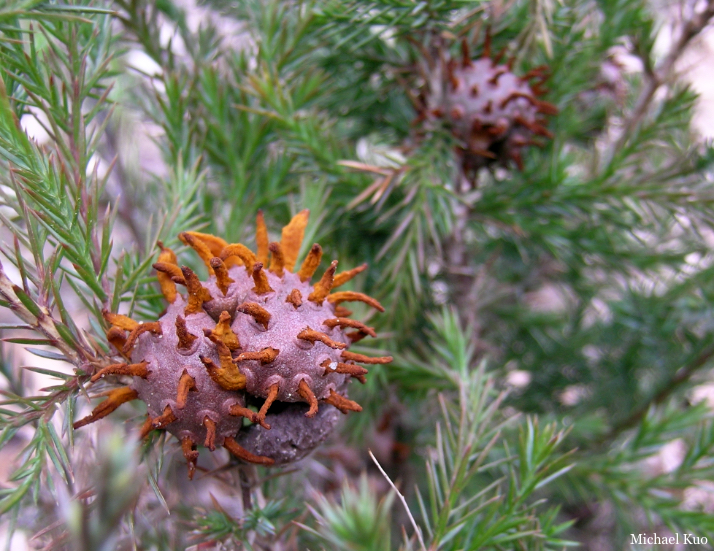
(681, 377)
(245, 486)
(658, 76)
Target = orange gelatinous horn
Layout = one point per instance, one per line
(306, 393)
(150, 326)
(166, 258)
(311, 262)
(223, 280)
(260, 278)
(295, 298)
(190, 453)
(210, 425)
(134, 370)
(186, 385)
(120, 321)
(197, 293)
(256, 311)
(264, 356)
(241, 251)
(340, 402)
(241, 453)
(224, 332)
(227, 375)
(277, 261)
(115, 398)
(215, 244)
(240, 411)
(353, 356)
(117, 338)
(261, 238)
(348, 296)
(311, 335)
(347, 322)
(324, 286)
(292, 237)
(272, 395)
(166, 418)
(200, 247)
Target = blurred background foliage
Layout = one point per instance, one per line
(552, 326)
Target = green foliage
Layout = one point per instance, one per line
(95, 528)
(478, 489)
(259, 522)
(55, 70)
(588, 272)
(359, 522)
(64, 66)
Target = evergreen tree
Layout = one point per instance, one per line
(524, 184)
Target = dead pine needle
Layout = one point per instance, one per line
(402, 499)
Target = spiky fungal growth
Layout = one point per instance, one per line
(493, 112)
(254, 332)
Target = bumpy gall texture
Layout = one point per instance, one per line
(493, 112)
(168, 363)
(292, 435)
(252, 334)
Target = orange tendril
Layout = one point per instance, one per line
(168, 288)
(185, 339)
(120, 321)
(210, 425)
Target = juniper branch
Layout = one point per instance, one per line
(680, 378)
(661, 75)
